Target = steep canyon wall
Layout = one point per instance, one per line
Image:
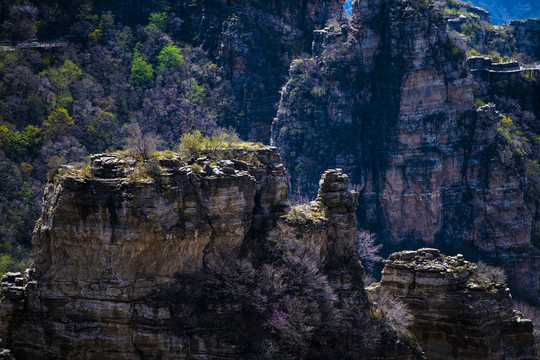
(389, 99)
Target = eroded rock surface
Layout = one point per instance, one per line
(459, 313)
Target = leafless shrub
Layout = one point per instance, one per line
(298, 199)
(367, 250)
(392, 312)
(287, 300)
(235, 277)
(139, 144)
(485, 274)
(530, 312)
(368, 279)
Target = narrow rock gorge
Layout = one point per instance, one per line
(389, 99)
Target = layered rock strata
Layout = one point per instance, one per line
(389, 99)
(391, 107)
(459, 313)
(108, 244)
(123, 253)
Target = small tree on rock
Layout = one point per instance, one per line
(143, 145)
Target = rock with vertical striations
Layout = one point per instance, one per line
(110, 240)
(122, 254)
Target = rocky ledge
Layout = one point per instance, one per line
(461, 310)
(168, 258)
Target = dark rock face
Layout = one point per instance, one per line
(459, 313)
(515, 92)
(254, 42)
(390, 102)
(121, 257)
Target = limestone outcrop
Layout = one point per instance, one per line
(461, 310)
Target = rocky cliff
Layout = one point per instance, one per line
(527, 37)
(461, 310)
(515, 90)
(389, 99)
(107, 244)
(161, 259)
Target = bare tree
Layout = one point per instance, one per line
(367, 250)
(485, 274)
(392, 312)
(286, 300)
(139, 144)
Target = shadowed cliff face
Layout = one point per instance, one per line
(254, 42)
(388, 99)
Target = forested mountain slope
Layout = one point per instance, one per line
(80, 77)
(430, 109)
